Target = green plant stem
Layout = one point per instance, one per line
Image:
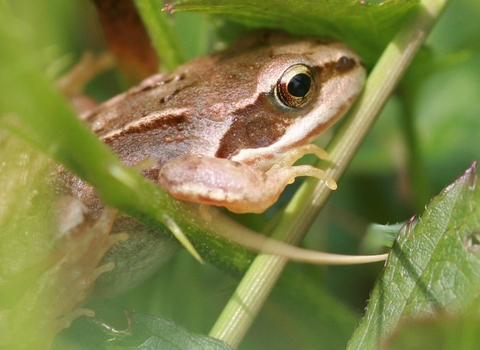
(161, 33)
(264, 272)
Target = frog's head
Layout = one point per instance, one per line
(302, 87)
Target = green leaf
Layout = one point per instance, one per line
(441, 332)
(433, 268)
(366, 27)
(144, 332)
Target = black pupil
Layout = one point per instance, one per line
(299, 85)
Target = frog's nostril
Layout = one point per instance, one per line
(344, 63)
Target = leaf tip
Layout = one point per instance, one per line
(468, 177)
(411, 223)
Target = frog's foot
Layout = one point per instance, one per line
(294, 154)
(237, 186)
(73, 82)
(283, 169)
(288, 174)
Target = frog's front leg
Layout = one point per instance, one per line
(237, 186)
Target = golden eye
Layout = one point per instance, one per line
(296, 86)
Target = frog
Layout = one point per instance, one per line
(226, 129)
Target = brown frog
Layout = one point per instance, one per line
(226, 129)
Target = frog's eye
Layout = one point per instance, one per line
(296, 86)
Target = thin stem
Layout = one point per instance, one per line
(264, 272)
(161, 33)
